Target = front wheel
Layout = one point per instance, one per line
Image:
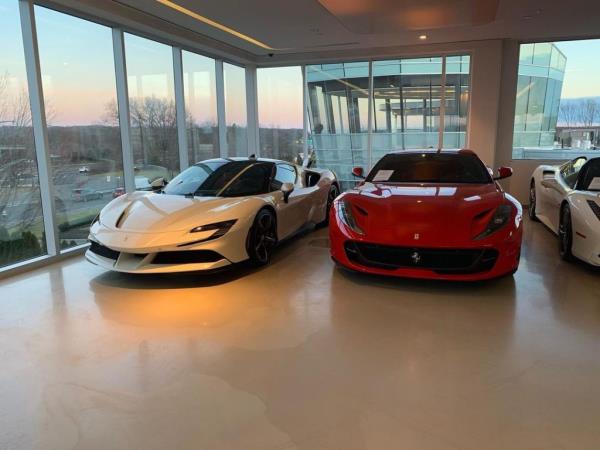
(565, 234)
(262, 238)
(331, 196)
(532, 202)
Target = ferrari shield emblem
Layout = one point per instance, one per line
(415, 257)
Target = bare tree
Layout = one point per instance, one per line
(18, 168)
(568, 113)
(589, 112)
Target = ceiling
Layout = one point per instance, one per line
(312, 26)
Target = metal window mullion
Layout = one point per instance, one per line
(252, 133)
(38, 122)
(180, 109)
(370, 118)
(305, 159)
(123, 108)
(442, 105)
(220, 87)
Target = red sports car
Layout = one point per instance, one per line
(428, 214)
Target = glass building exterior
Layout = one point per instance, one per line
(541, 74)
(406, 104)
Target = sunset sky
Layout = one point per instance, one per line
(79, 81)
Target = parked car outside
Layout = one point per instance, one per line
(85, 195)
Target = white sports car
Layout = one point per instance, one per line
(566, 198)
(213, 214)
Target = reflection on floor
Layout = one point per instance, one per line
(301, 355)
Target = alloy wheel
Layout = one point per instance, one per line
(565, 234)
(264, 237)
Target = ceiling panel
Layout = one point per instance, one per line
(313, 26)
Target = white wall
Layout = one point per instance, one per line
(486, 65)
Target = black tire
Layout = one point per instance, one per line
(262, 238)
(331, 196)
(565, 234)
(532, 202)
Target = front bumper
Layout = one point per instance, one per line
(469, 262)
(159, 262)
(164, 252)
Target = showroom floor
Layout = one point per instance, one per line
(301, 355)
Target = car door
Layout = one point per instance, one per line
(557, 189)
(316, 195)
(291, 215)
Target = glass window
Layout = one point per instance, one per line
(200, 107)
(338, 111)
(406, 105)
(285, 174)
(570, 170)
(152, 108)
(78, 77)
(457, 103)
(557, 112)
(280, 119)
(235, 109)
(254, 180)
(21, 219)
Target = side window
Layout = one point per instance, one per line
(253, 181)
(570, 171)
(285, 174)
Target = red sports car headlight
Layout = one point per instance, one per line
(345, 214)
(498, 221)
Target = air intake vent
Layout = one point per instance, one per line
(594, 206)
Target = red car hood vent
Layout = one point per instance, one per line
(423, 215)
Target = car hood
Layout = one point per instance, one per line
(424, 214)
(150, 212)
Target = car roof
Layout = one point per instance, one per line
(448, 151)
(246, 159)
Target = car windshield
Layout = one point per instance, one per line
(430, 168)
(207, 178)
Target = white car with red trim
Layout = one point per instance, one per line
(215, 213)
(566, 199)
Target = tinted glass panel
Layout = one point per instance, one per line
(338, 111)
(78, 76)
(152, 107)
(280, 113)
(253, 181)
(557, 112)
(21, 221)
(285, 174)
(235, 110)
(200, 107)
(430, 168)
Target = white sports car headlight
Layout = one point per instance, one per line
(219, 228)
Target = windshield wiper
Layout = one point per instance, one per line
(190, 195)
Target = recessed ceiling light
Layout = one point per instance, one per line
(422, 37)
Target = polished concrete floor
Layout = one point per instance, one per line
(301, 355)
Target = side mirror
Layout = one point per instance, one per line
(287, 189)
(504, 172)
(358, 172)
(158, 184)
